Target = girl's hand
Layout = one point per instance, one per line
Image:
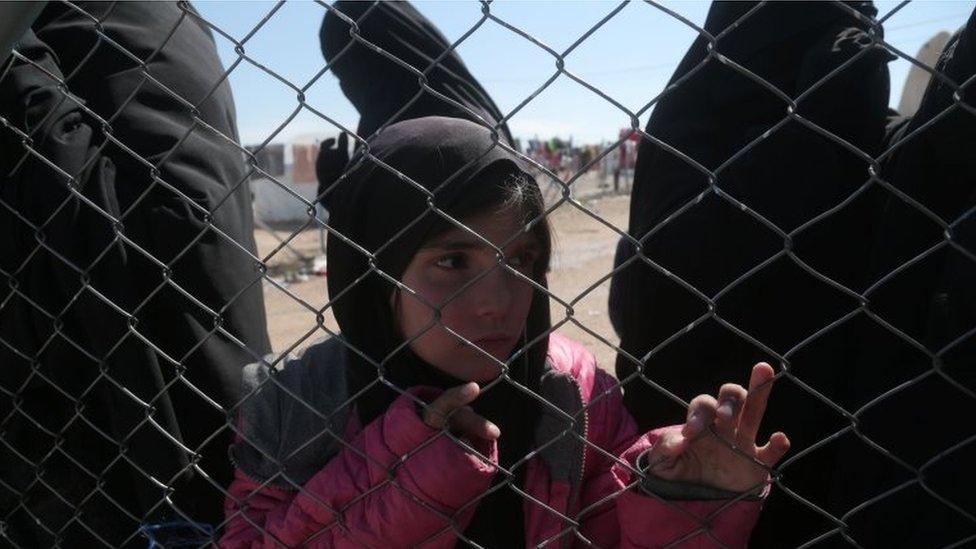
(693, 454)
(451, 408)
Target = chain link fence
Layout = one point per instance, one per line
(134, 291)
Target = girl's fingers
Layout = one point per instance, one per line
(701, 414)
(674, 442)
(451, 409)
(436, 413)
(665, 452)
(467, 423)
(731, 397)
(760, 383)
(774, 450)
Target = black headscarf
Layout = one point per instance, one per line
(379, 87)
(466, 171)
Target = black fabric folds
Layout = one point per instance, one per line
(926, 290)
(380, 87)
(452, 163)
(77, 364)
(788, 173)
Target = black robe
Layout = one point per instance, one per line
(921, 353)
(719, 117)
(380, 87)
(121, 344)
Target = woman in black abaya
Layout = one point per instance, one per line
(719, 116)
(385, 91)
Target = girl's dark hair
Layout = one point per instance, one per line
(501, 189)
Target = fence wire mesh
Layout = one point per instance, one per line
(134, 292)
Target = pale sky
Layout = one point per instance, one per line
(630, 58)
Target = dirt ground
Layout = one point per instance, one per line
(582, 262)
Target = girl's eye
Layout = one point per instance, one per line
(451, 262)
(523, 260)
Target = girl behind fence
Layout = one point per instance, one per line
(445, 413)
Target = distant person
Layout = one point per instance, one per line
(130, 297)
(551, 418)
(771, 175)
(383, 90)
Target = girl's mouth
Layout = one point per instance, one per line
(494, 344)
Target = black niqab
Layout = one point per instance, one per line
(460, 163)
(379, 87)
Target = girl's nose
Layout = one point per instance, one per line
(493, 293)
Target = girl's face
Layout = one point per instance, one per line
(490, 313)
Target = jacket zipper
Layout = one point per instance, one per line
(577, 488)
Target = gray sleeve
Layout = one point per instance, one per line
(256, 449)
(681, 491)
(292, 417)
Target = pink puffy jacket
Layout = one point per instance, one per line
(369, 495)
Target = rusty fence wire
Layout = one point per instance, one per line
(112, 431)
